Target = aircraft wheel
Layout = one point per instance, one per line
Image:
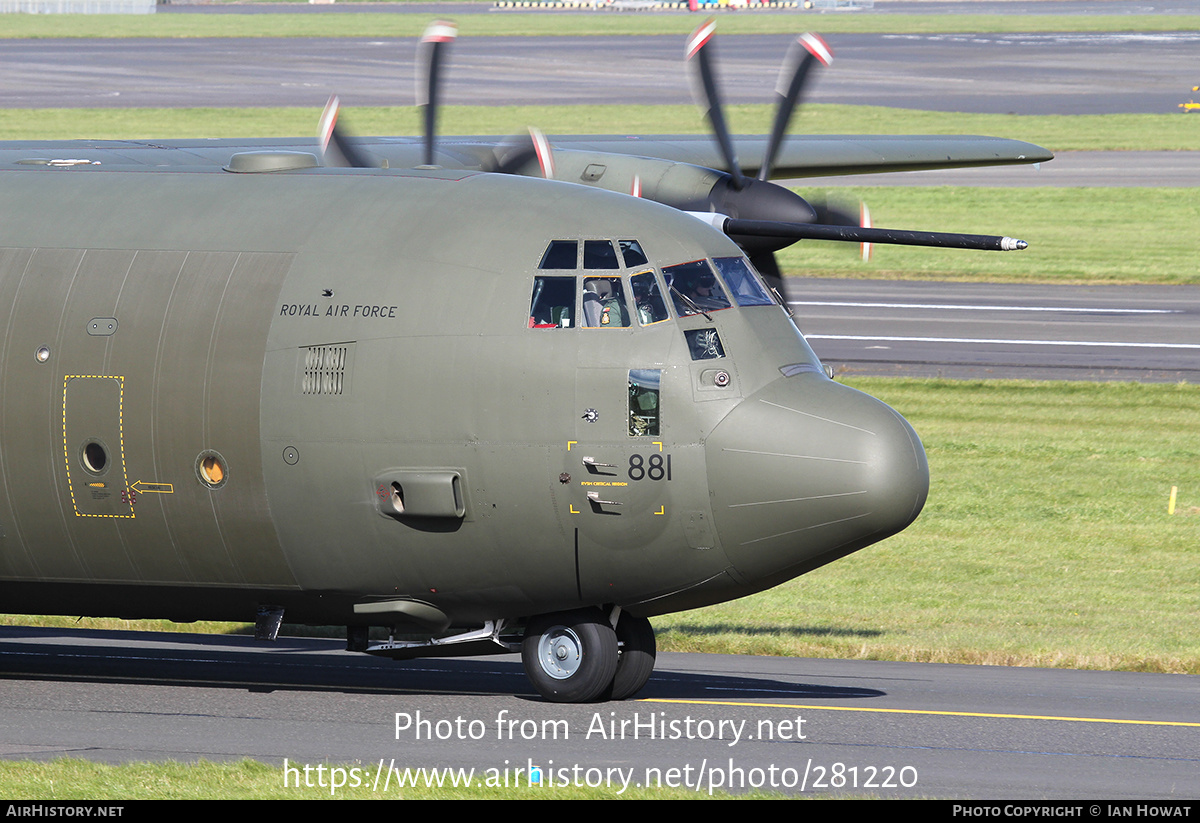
(635, 656)
(570, 657)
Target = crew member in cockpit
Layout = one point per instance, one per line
(701, 289)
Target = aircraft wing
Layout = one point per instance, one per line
(825, 155)
(800, 156)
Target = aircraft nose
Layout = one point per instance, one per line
(806, 471)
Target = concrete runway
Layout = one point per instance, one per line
(1024, 74)
(811, 727)
(972, 330)
(1061, 73)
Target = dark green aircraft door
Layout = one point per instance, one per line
(620, 502)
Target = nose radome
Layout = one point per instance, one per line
(806, 471)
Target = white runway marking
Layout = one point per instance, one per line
(954, 307)
(1002, 342)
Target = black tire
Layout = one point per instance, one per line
(635, 656)
(570, 657)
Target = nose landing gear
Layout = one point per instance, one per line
(635, 659)
(577, 656)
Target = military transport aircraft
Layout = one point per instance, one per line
(405, 384)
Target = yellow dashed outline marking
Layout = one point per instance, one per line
(67, 378)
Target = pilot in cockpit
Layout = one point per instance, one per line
(699, 288)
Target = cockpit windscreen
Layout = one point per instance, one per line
(694, 288)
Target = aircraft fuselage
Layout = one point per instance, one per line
(356, 397)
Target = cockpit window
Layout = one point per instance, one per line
(560, 254)
(647, 299)
(747, 289)
(694, 288)
(599, 254)
(553, 303)
(631, 251)
(604, 303)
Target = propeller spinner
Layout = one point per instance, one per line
(760, 216)
(763, 217)
(738, 196)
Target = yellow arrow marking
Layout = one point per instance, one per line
(152, 488)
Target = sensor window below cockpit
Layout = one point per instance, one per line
(704, 344)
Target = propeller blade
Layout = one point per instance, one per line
(834, 210)
(704, 87)
(327, 122)
(336, 148)
(864, 220)
(831, 211)
(545, 154)
(430, 53)
(512, 157)
(859, 234)
(808, 50)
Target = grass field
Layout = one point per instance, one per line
(1109, 132)
(1102, 235)
(76, 779)
(1045, 542)
(487, 23)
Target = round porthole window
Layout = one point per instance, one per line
(211, 469)
(94, 457)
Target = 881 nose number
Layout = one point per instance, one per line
(656, 467)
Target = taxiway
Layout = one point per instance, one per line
(814, 727)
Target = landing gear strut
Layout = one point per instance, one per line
(577, 657)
